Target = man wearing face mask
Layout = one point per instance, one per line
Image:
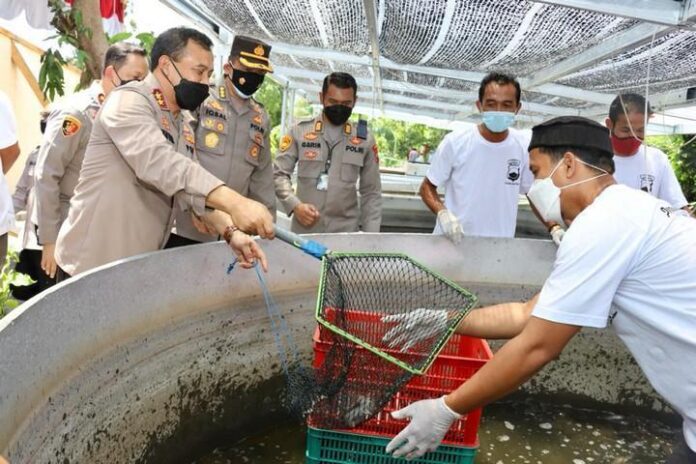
(232, 138)
(332, 155)
(62, 150)
(483, 170)
(627, 260)
(139, 164)
(638, 165)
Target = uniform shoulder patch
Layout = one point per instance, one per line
(71, 126)
(285, 142)
(214, 104)
(375, 152)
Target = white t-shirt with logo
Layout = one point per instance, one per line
(634, 251)
(649, 170)
(8, 137)
(482, 180)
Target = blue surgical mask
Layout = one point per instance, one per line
(498, 121)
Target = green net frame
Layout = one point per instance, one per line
(419, 283)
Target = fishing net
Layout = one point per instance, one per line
(384, 318)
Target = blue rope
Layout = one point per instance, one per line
(287, 349)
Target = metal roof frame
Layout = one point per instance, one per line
(656, 19)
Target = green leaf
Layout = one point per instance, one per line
(21, 280)
(121, 36)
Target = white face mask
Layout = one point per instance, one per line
(546, 197)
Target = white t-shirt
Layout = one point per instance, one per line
(632, 250)
(8, 137)
(482, 180)
(649, 170)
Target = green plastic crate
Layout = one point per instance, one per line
(329, 447)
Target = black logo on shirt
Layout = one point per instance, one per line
(646, 182)
(355, 149)
(215, 114)
(311, 145)
(513, 170)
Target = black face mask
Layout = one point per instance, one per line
(189, 95)
(123, 81)
(246, 82)
(338, 114)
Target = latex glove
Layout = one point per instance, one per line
(430, 421)
(557, 234)
(450, 225)
(426, 322)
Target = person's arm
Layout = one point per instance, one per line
(540, 342)
(283, 167)
(25, 182)
(64, 133)
(501, 321)
(244, 247)
(371, 190)
(428, 192)
(670, 189)
(131, 123)
(9, 145)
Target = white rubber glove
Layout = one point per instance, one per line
(426, 322)
(450, 225)
(430, 421)
(557, 233)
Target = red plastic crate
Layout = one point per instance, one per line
(458, 361)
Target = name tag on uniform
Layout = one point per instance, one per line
(323, 182)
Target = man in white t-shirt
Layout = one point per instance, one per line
(638, 165)
(627, 260)
(483, 170)
(9, 152)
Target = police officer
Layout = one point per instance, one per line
(138, 164)
(331, 155)
(68, 128)
(232, 137)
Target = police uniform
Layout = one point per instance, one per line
(327, 173)
(59, 160)
(235, 147)
(133, 173)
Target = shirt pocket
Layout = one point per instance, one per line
(350, 166)
(309, 168)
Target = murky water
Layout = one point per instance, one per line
(523, 431)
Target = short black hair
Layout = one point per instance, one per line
(172, 42)
(117, 54)
(500, 79)
(589, 155)
(632, 103)
(341, 80)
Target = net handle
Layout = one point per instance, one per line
(310, 247)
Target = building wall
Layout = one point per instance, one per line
(25, 102)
